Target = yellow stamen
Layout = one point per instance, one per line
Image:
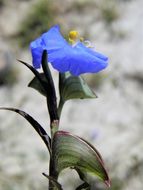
(73, 36)
(81, 39)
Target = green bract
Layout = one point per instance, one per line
(72, 151)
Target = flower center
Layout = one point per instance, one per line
(73, 36)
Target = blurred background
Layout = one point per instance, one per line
(113, 122)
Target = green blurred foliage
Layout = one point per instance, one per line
(37, 21)
(9, 77)
(116, 184)
(1, 3)
(109, 11)
(81, 5)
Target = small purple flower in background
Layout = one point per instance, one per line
(74, 57)
(95, 134)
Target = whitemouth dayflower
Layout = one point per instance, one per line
(75, 56)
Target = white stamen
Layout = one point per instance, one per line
(88, 44)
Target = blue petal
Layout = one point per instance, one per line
(87, 61)
(36, 50)
(77, 59)
(60, 59)
(51, 41)
(90, 50)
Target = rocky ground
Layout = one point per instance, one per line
(113, 122)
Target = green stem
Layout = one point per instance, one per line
(54, 127)
(53, 175)
(60, 107)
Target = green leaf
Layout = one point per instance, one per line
(74, 87)
(84, 186)
(51, 93)
(45, 87)
(43, 84)
(71, 151)
(37, 85)
(38, 128)
(55, 183)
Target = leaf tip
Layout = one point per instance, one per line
(108, 183)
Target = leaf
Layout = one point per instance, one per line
(84, 186)
(37, 85)
(74, 87)
(39, 129)
(37, 75)
(53, 181)
(51, 93)
(71, 151)
(48, 87)
(45, 78)
(46, 69)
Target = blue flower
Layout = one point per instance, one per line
(76, 58)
